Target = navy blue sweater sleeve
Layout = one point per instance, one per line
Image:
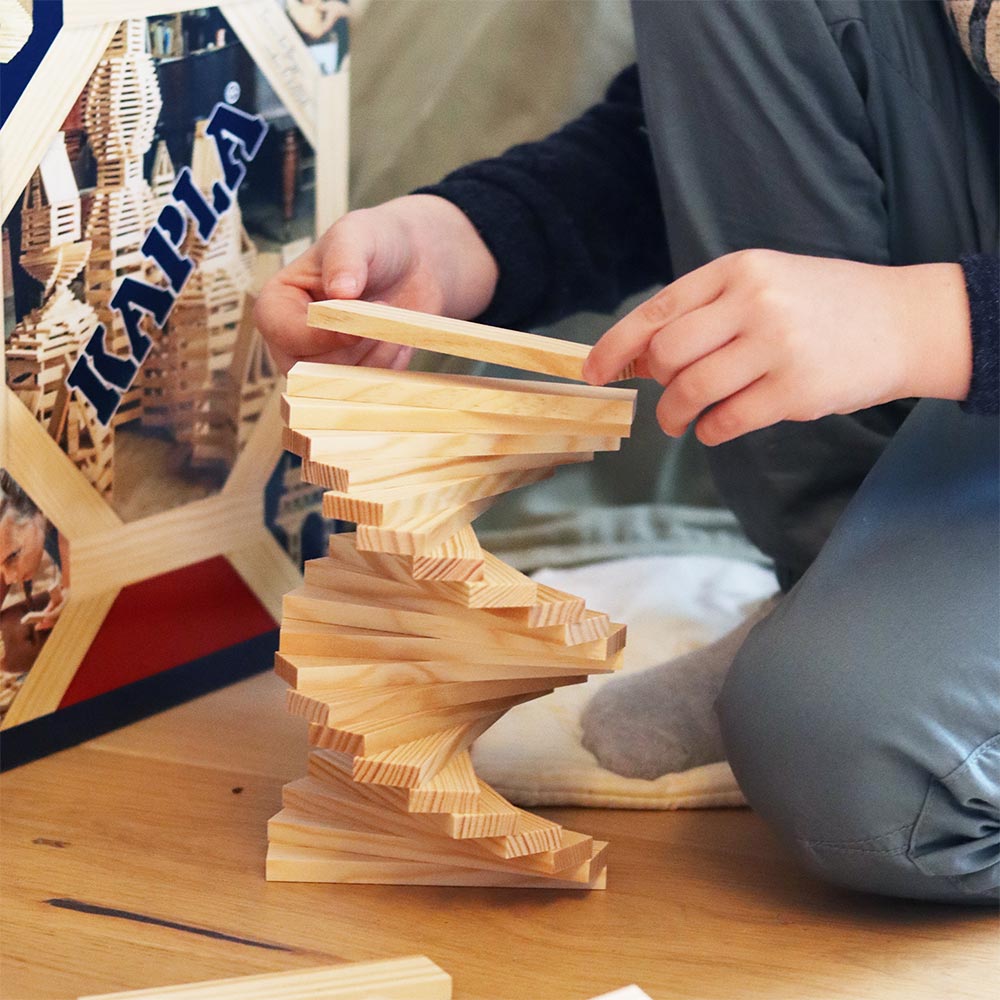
(982, 281)
(573, 220)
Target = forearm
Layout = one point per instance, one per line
(573, 220)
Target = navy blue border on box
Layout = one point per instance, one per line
(69, 726)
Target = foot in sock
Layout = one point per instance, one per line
(661, 720)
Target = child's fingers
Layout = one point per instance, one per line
(631, 335)
(758, 405)
(708, 381)
(693, 336)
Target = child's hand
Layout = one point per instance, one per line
(418, 252)
(758, 336)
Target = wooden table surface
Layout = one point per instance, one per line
(136, 860)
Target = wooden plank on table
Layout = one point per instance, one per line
(334, 447)
(333, 414)
(527, 351)
(347, 472)
(385, 504)
(468, 393)
(412, 978)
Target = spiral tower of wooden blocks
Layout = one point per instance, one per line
(407, 641)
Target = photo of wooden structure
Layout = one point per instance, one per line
(100, 49)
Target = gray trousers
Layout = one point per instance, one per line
(862, 718)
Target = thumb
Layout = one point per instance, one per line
(346, 259)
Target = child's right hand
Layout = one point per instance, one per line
(418, 252)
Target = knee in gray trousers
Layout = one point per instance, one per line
(862, 719)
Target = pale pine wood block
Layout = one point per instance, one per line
(495, 829)
(317, 638)
(454, 787)
(336, 447)
(298, 830)
(298, 864)
(412, 978)
(551, 607)
(374, 734)
(468, 393)
(502, 586)
(426, 617)
(329, 414)
(414, 764)
(458, 558)
(349, 698)
(422, 534)
(510, 348)
(393, 504)
(348, 472)
(316, 675)
(330, 795)
(594, 625)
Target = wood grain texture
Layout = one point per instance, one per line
(511, 348)
(329, 414)
(347, 472)
(701, 903)
(412, 978)
(465, 393)
(333, 447)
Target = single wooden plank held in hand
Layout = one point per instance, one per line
(466, 393)
(510, 348)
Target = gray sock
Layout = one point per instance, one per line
(661, 720)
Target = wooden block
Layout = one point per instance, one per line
(495, 827)
(458, 558)
(414, 978)
(310, 638)
(335, 447)
(422, 534)
(314, 675)
(552, 607)
(391, 504)
(370, 734)
(502, 586)
(414, 764)
(349, 698)
(468, 393)
(350, 471)
(526, 351)
(329, 414)
(291, 828)
(422, 616)
(299, 864)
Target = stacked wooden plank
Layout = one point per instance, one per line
(408, 640)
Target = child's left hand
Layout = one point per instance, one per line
(759, 336)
